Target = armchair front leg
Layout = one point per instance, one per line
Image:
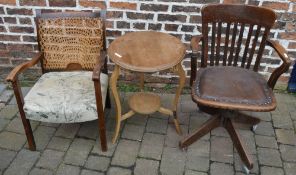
(194, 47)
(13, 78)
(99, 104)
(283, 67)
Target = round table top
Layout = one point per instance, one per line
(147, 51)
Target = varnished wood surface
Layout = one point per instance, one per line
(147, 51)
(144, 103)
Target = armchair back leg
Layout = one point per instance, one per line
(26, 122)
(108, 100)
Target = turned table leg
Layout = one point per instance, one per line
(113, 85)
(178, 69)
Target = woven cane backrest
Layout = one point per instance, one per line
(70, 40)
(235, 35)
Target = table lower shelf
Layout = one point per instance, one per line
(144, 103)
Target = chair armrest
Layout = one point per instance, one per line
(12, 76)
(283, 67)
(194, 43)
(194, 46)
(98, 67)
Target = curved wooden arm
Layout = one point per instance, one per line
(97, 72)
(194, 46)
(98, 67)
(283, 68)
(12, 76)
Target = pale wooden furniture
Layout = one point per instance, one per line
(146, 52)
(72, 88)
(227, 81)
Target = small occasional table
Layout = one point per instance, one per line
(146, 52)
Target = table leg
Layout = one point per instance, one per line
(113, 85)
(142, 81)
(180, 71)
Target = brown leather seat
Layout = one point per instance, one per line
(232, 88)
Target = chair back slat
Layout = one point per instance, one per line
(213, 43)
(261, 50)
(205, 47)
(233, 39)
(236, 34)
(226, 44)
(247, 45)
(253, 47)
(239, 43)
(218, 44)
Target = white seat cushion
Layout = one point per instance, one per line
(64, 97)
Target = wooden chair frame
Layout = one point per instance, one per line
(216, 14)
(100, 67)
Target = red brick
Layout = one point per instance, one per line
(114, 14)
(19, 11)
(8, 2)
(9, 37)
(123, 5)
(154, 7)
(198, 1)
(154, 26)
(62, 3)
(188, 9)
(1, 10)
(171, 27)
(4, 60)
(88, 3)
(109, 24)
(50, 11)
(33, 2)
(288, 35)
(234, 1)
(10, 20)
(4, 53)
(2, 29)
(276, 5)
(17, 29)
(195, 19)
(290, 26)
(25, 20)
(29, 39)
(26, 47)
(292, 45)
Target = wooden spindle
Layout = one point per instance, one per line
(232, 44)
(239, 43)
(205, 45)
(247, 45)
(218, 43)
(213, 43)
(253, 47)
(226, 44)
(261, 50)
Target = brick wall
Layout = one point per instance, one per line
(178, 17)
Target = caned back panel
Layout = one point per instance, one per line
(235, 35)
(66, 40)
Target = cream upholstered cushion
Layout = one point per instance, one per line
(64, 97)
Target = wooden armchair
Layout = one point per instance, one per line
(227, 81)
(72, 88)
